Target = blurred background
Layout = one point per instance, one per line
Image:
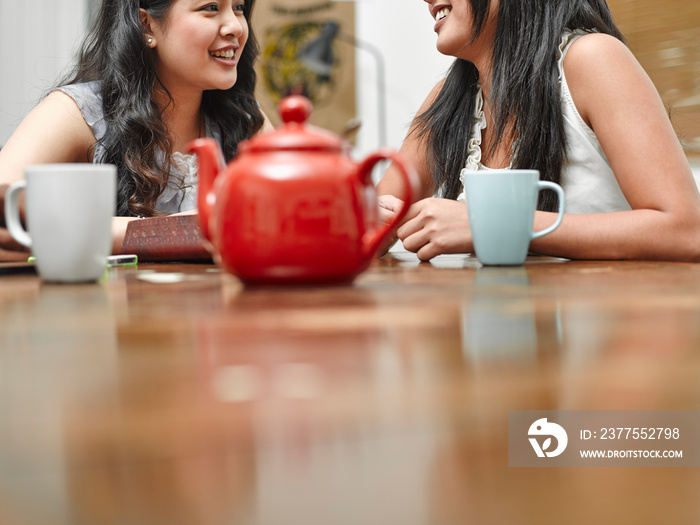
(366, 64)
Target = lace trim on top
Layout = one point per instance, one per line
(566, 39)
(474, 145)
(181, 192)
(479, 125)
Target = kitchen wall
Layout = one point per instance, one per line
(403, 31)
(37, 41)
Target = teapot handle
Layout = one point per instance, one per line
(372, 239)
(211, 163)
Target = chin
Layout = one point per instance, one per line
(232, 81)
(442, 51)
(225, 85)
(446, 48)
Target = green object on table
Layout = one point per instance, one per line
(112, 260)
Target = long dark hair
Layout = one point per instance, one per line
(524, 89)
(115, 53)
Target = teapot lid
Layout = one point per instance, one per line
(294, 134)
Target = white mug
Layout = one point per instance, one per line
(69, 210)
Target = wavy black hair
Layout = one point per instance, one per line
(115, 53)
(524, 89)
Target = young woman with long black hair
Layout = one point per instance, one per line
(548, 85)
(152, 75)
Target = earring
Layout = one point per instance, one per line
(150, 42)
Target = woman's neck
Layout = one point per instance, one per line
(183, 119)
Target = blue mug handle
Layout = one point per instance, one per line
(541, 185)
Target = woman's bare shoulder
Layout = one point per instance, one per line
(600, 70)
(58, 104)
(598, 56)
(54, 131)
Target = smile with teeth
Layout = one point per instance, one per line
(442, 13)
(227, 54)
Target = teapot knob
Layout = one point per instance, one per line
(295, 108)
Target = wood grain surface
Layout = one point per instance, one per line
(171, 394)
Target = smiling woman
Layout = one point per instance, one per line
(550, 86)
(151, 76)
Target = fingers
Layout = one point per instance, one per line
(10, 250)
(436, 226)
(389, 207)
(428, 251)
(416, 233)
(3, 190)
(426, 243)
(10, 256)
(386, 215)
(389, 202)
(386, 244)
(415, 219)
(8, 247)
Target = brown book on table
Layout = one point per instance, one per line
(176, 238)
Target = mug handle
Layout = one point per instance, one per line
(12, 220)
(372, 238)
(541, 185)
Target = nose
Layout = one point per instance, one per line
(232, 26)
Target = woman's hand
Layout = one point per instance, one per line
(435, 226)
(389, 207)
(10, 250)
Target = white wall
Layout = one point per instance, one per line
(403, 29)
(37, 41)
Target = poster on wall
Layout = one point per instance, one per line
(306, 49)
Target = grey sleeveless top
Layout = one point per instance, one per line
(181, 192)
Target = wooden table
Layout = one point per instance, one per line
(169, 394)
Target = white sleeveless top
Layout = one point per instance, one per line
(588, 181)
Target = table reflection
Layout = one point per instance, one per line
(499, 319)
(172, 394)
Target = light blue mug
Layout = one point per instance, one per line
(501, 206)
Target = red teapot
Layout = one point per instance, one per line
(293, 207)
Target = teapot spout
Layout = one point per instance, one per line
(211, 163)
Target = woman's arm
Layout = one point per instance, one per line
(431, 226)
(618, 101)
(414, 150)
(53, 132)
